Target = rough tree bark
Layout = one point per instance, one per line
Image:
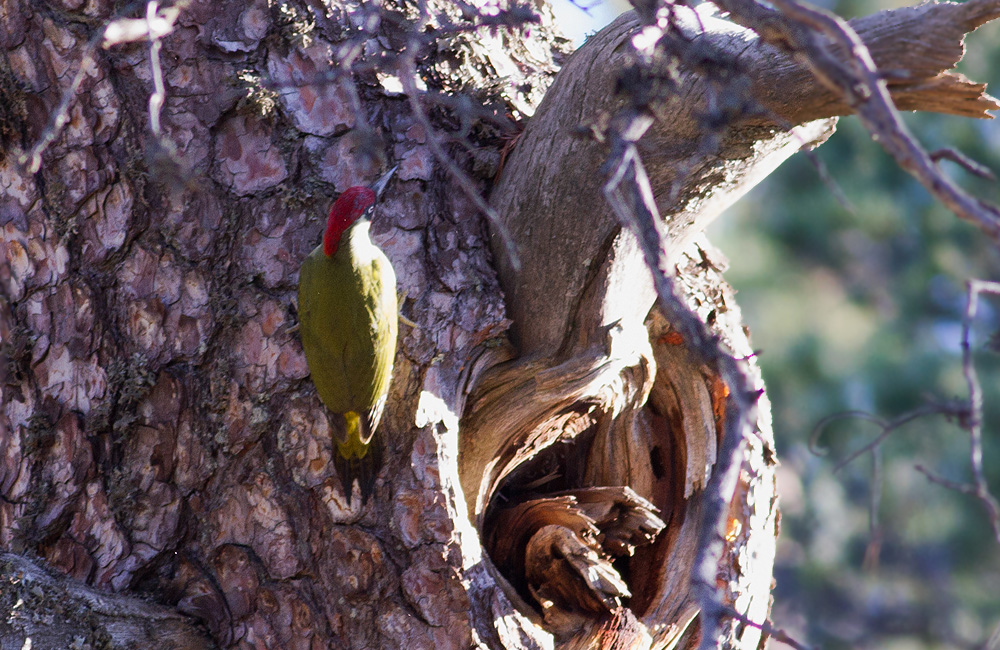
(160, 441)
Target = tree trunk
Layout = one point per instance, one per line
(160, 439)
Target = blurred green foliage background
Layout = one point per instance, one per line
(863, 311)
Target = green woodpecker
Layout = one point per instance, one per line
(348, 320)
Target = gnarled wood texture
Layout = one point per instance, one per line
(586, 362)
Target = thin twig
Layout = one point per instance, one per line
(975, 421)
(874, 447)
(874, 505)
(963, 161)
(810, 31)
(159, 93)
(32, 161)
(887, 427)
(767, 628)
(408, 74)
(822, 424)
(934, 477)
(969, 414)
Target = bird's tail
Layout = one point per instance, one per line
(357, 460)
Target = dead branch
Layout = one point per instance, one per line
(43, 611)
(810, 32)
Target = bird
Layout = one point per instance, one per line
(348, 319)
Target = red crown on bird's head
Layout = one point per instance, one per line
(349, 206)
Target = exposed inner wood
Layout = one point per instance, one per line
(540, 525)
(562, 549)
(587, 362)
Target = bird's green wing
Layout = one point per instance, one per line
(348, 316)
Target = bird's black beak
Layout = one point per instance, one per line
(380, 184)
